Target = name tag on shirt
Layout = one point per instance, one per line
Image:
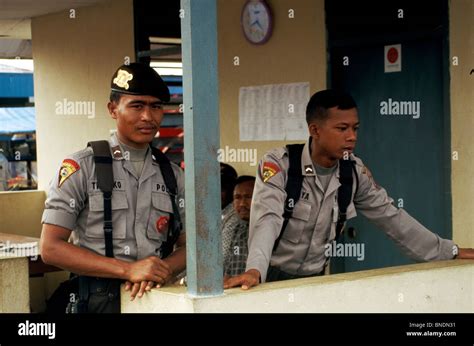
(119, 185)
(160, 187)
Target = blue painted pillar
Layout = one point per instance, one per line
(201, 142)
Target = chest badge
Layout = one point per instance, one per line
(308, 169)
(122, 79)
(162, 224)
(117, 152)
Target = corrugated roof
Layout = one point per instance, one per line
(17, 119)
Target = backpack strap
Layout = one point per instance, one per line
(293, 185)
(105, 182)
(344, 193)
(170, 181)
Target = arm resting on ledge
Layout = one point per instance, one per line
(56, 250)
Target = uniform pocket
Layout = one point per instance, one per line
(160, 216)
(95, 218)
(298, 222)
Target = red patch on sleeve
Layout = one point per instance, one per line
(68, 168)
(269, 169)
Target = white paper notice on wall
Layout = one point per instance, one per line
(274, 112)
(393, 58)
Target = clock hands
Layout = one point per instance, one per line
(257, 22)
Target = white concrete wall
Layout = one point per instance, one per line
(75, 59)
(422, 288)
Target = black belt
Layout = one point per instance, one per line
(276, 274)
(89, 285)
(100, 285)
(93, 285)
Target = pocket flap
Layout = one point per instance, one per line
(119, 201)
(162, 201)
(302, 211)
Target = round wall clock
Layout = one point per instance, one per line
(257, 21)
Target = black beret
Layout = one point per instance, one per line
(139, 79)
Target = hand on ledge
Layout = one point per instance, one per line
(248, 279)
(138, 288)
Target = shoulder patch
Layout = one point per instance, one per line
(269, 169)
(68, 168)
(367, 172)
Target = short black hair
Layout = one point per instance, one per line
(228, 177)
(115, 96)
(244, 179)
(321, 101)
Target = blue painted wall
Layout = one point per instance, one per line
(16, 84)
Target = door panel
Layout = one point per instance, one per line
(406, 156)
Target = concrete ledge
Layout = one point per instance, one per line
(445, 286)
(14, 288)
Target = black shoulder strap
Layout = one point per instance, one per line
(105, 182)
(171, 185)
(344, 193)
(293, 185)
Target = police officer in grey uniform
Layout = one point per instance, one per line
(141, 204)
(301, 252)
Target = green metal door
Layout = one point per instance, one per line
(409, 154)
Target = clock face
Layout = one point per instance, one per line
(256, 21)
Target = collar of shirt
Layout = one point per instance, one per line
(118, 155)
(307, 166)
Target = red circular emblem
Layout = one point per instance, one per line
(392, 55)
(162, 224)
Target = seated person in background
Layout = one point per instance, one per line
(235, 228)
(228, 177)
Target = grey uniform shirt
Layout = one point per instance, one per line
(141, 206)
(301, 249)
